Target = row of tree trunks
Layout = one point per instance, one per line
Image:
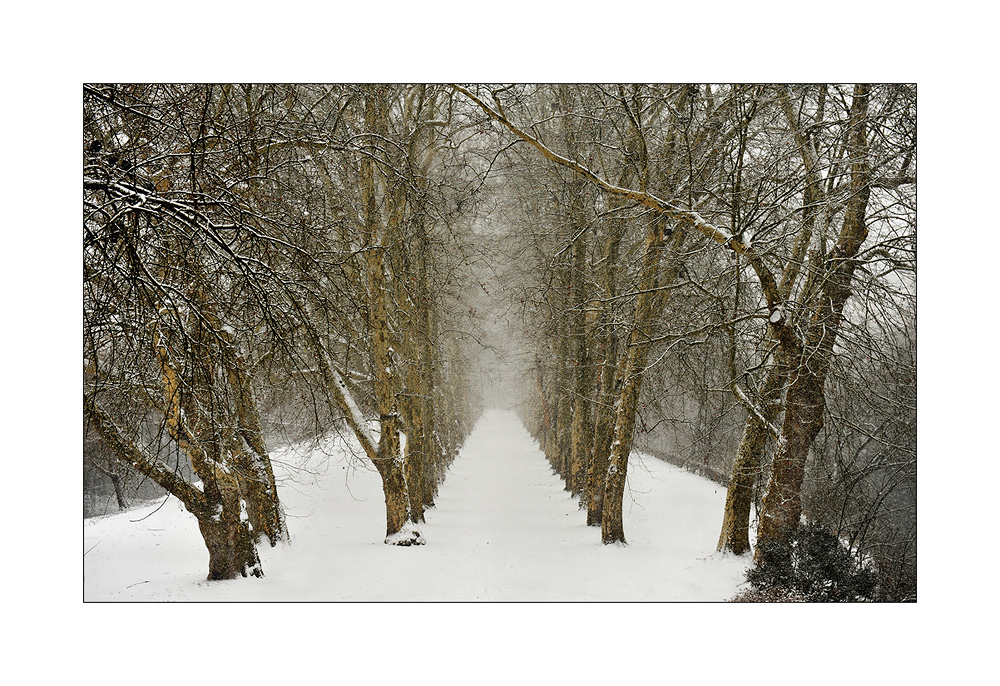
(612, 418)
(224, 243)
(825, 292)
(402, 326)
(593, 395)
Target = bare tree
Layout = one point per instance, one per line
(166, 246)
(378, 152)
(803, 308)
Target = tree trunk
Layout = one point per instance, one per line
(582, 425)
(565, 433)
(389, 463)
(433, 456)
(648, 305)
(612, 525)
(430, 455)
(416, 441)
(808, 366)
(116, 481)
(257, 485)
(604, 414)
(254, 465)
(750, 455)
(804, 407)
(231, 549)
(397, 511)
(583, 437)
(626, 408)
(604, 429)
(735, 535)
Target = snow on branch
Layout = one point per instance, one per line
(754, 410)
(717, 234)
(193, 499)
(355, 417)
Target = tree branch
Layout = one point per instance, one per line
(717, 234)
(193, 499)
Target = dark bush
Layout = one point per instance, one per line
(813, 566)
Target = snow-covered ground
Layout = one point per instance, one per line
(503, 529)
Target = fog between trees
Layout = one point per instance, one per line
(722, 275)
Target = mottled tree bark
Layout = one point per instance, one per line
(230, 545)
(809, 363)
(604, 427)
(612, 525)
(231, 548)
(607, 352)
(253, 466)
(389, 462)
(416, 442)
(434, 455)
(583, 430)
(577, 382)
(735, 535)
(648, 306)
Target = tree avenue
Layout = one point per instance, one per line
(240, 253)
(794, 198)
(721, 275)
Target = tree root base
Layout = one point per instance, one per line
(406, 536)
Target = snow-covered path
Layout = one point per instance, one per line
(503, 529)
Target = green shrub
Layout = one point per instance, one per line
(813, 566)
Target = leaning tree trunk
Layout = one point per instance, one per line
(116, 481)
(649, 303)
(808, 366)
(256, 475)
(735, 535)
(612, 524)
(782, 504)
